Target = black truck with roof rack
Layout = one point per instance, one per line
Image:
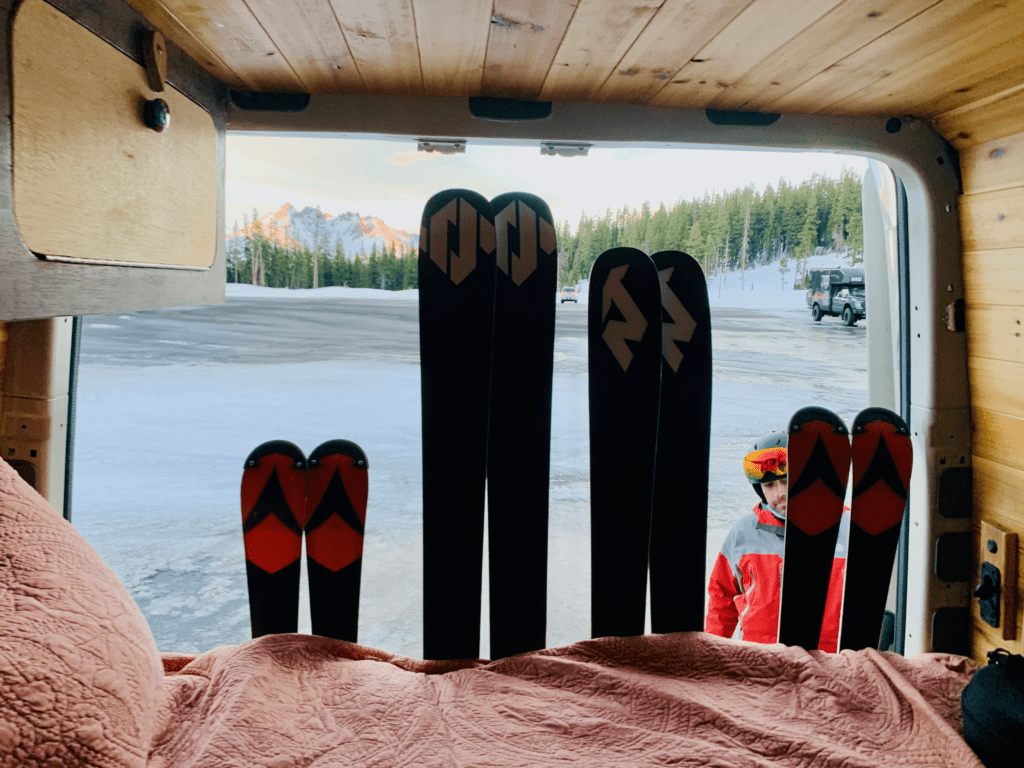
(836, 291)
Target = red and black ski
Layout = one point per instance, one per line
(336, 491)
(818, 454)
(625, 353)
(679, 519)
(273, 515)
(519, 441)
(456, 284)
(882, 460)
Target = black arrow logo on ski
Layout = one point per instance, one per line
(680, 326)
(631, 327)
(272, 501)
(519, 231)
(335, 501)
(882, 467)
(819, 466)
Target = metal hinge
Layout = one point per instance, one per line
(442, 146)
(565, 148)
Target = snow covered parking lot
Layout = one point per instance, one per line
(171, 402)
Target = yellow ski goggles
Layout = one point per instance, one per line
(767, 461)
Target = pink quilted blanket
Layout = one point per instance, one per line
(81, 684)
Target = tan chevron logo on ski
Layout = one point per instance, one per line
(616, 332)
(532, 231)
(682, 326)
(473, 233)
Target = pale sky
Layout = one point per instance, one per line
(391, 180)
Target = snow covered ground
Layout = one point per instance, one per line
(171, 402)
(763, 287)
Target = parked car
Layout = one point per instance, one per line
(837, 291)
(569, 293)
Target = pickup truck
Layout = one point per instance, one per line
(838, 292)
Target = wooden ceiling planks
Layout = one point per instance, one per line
(599, 35)
(309, 37)
(960, 73)
(229, 28)
(183, 37)
(524, 36)
(452, 37)
(934, 29)
(839, 33)
(762, 28)
(675, 34)
(959, 61)
(984, 120)
(381, 35)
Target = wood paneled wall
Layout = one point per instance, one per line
(992, 220)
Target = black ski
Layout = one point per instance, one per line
(519, 442)
(818, 455)
(273, 514)
(882, 460)
(456, 284)
(624, 351)
(336, 491)
(679, 517)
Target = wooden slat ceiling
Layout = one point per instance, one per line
(928, 58)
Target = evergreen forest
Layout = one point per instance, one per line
(723, 231)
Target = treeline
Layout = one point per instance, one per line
(256, 259)
(735, 230)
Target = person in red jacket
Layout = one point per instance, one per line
(746, 582)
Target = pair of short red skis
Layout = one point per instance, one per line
(820, 452)
(285, 496)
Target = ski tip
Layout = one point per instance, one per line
(616, 257)
(679, 259)
(813, 413)
(280, 447)
(535, 202)
(336, 447)
(443, 198)
(883, 415)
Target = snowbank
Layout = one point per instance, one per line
(765, 287)
(243, 291)
(762, 288)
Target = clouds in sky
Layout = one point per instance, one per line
(390, 179)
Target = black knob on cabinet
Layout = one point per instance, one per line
(986, 589)
(157, 115)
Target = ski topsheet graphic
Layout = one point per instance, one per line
(818, 454)
(679, 517)
(519, 442)
(336, 491)
(882, 460)
(456, 284)
(273, 515)
(625, 353)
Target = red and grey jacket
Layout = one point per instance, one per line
(746, 582)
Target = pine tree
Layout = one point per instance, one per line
(743, 247)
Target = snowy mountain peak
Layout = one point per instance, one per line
(355, 234)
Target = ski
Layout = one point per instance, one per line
(273, 514)
(882, 459)
(519, 434)
(679, 516)
(336, 491)
(624, 353)
(456, 307)
(818, 455)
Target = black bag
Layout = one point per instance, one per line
(992, 706)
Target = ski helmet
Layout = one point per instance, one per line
(766, 461)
